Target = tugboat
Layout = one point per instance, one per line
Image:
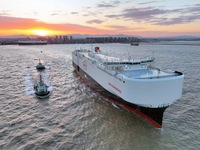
(41, 90)
(134, 43)
(40, 66)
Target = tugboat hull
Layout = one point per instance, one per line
(41, 90)
(40, 67)
(42, 96)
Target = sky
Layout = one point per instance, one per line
(147, 18)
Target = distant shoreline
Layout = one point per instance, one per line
(192, 43)
(106, 40)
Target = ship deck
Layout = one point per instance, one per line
(147, 74)
(131, 69)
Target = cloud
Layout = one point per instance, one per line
(23, 24)
(99, 9)
(4, 13)
(146, 13)
(58, 13)
(91, 13)
(96, 21)
(74, 13)
(181, 16)
(194, 8)
(104, 5)
(55, 14)
(176, 20)
(144, 3)
(159, 16)
(12, 23)
(116, 2)
(108, 5)
(122, 28)
(20, 23)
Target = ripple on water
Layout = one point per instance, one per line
(74, 117)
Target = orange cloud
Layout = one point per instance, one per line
(13, 26)
(16, 26)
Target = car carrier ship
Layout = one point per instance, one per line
(135, 84)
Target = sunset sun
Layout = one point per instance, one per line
(41, 32)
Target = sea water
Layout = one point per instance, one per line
(75, 117)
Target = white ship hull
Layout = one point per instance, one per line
(32, 42)
(148, 92)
